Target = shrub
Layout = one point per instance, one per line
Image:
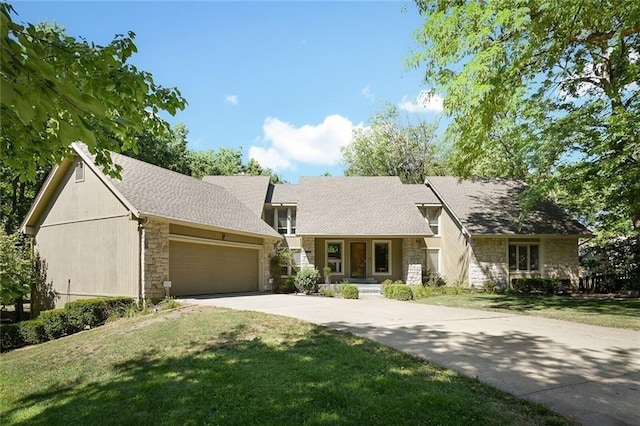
(402, 292)
(55, 323)
(32, 331)
(287, 286)
(327, 292)
(541, 286)
(350, 291)
(398, 291)
(433, 279)
(10, 337)
(421, 292)
(93, 312)
(307, 280)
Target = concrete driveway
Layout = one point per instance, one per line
(589, 373)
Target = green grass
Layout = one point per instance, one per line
(215, 366)
(607, 312)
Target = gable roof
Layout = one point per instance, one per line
(249, 189)
(421, 194)
(149, 190)
(283, 193)
(357, 206)
(491, 207)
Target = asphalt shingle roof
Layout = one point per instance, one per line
(491, 207)
(285, 193)
(155, 191)
(250, 190)
(357, 206)
(421, 194)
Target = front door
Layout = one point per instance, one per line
(358, 260)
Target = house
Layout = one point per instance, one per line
(157, 232)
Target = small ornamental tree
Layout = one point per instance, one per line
(15, 268)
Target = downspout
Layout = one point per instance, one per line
(142, 297)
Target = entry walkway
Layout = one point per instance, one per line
(589, 373)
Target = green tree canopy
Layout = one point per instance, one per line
(56, 89)
(390, 148)
(548, 90)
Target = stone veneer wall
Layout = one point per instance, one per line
(412, 254)
(268, 249)
(308, 252)
(488, 261)
(156, 259)
(560, 258)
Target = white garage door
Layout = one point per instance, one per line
(205, 269)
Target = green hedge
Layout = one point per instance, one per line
(541, 286)
(55, 323)
(397, 291)
(349, 291)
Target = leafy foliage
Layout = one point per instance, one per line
(307, 280)
(390, 148)
(15, 268)
(543, 91)
(57, 89)
(349, 291)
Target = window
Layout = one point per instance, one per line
(282, 219)
(432, 216)
(382, 257)
(524, 257)
(290, 269)
(79, 171)
(433, 260)
(334, 258)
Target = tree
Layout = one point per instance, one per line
(15, 268)
(169, 150)
(253, 168)
(227, 161)
(56, 89)
(552, 87)
(390, 148)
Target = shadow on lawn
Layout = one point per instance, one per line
(526, 364)
(323, 377)
(622, 307)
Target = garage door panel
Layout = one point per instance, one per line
(204, 269)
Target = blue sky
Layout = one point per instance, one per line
(286, 81)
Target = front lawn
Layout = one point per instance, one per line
(215, 366)
(603, 311)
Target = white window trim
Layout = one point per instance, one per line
(439, 251)
(326, 255)
(528, 270)
(276, 214)
(424, 211)
(373, 250)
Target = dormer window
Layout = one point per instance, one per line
(432, 217)
(283, 219)
(79, 171)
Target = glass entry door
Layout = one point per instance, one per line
(358, 260)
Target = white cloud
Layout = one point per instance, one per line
(286, 144)
(424, 102)
(231, 99)
(366, 92)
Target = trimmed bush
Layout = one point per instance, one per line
(55, 323)
(398, 291)
(541, 286)
(10, 337)
(307, 280)
(32, 331)
(350, 291)
(90, 313)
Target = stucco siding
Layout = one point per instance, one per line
(92, 258)
(78, 201)
(454, 250)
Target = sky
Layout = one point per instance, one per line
(285, 81)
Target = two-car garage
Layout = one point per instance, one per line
(204, 267)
